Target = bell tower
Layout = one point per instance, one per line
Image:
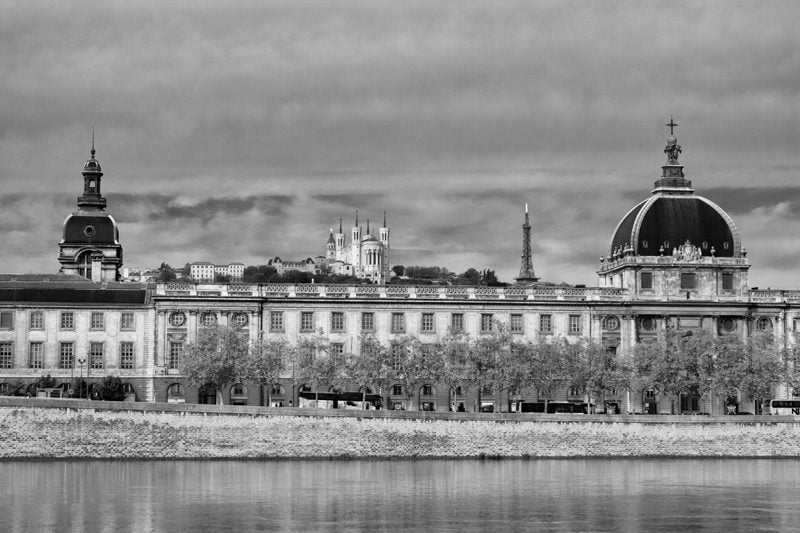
(90, 245)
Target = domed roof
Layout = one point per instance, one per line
(663, 222)
(90, 229)
(674, 215)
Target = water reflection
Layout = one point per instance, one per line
(544, 495)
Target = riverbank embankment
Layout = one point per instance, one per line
(55, 429)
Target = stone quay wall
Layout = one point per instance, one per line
(56, 429)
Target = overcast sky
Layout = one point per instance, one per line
(241, 131)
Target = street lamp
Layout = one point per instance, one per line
(81, 362)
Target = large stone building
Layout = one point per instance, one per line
(675, 260)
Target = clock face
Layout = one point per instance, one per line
(89, 231)
(177, 319)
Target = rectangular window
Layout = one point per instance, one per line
(37, 320)
(367, 321)
(427, 323)
(67, 320)
(66, 355)
(36, 355)
(6, 355)
(647, 280)
(487, 321)
(398, 323)
(337, 321)
(126, 355)
(126, 321)
(98, 321)
(174, 359)
(727, 281)
(96, 358)
(515, 324)
(545, 323)
(457, 323)
(6, 319)
(574, 324)
(688, 280)
(307, 321)
(276, 321)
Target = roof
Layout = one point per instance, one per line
(666, 220)
(43, 288)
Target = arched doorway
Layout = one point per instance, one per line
(175, 394)
(129, 392)
(427, 398)
(207, 395)
(649, 404)
(458, 402)
(238, 394)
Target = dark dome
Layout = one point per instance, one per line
(671, 220)
(89, 229)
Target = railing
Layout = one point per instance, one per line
(314, 290)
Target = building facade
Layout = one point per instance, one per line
(675, 261)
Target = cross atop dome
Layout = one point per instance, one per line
(672, 124)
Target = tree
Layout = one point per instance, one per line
(496, 363)
(312, 363)
(470, 277)
(111, 389)
(410, 363)
(45, 382)
(368, 368)
(547, 366)
(454, 353)
(679, 363)
(222, 278)
(754, 368)
(398, 270)
(166, 273)
(265, 361)
(216, 359)
(600, 370)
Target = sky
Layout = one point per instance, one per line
(242, 131)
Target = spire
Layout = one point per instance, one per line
(356, 217)
(340, 225)
(92, 200)
(367, 226)
(526, 273)
(384, 219)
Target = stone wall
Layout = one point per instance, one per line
(73, 429)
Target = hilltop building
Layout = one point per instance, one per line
(363, 256)
(205, 271)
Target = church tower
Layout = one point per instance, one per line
(526, 274)
(90, 245)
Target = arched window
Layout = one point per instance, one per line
(175, 393)
(84, 261)
(278, 390)
(4, 389)
(238, 394)
(240, 320)
(764, 324)
(128, 390)
(397, 390)
(427, 390)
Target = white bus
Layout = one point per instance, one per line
(784, 407)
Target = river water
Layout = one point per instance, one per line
(400, 495)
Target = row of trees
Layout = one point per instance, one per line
(491, 364)
(436, 274)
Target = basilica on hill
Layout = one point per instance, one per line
(674, 261)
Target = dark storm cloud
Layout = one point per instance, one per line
(249, 130)
(179, 209)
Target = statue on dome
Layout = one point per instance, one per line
(672, 150)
